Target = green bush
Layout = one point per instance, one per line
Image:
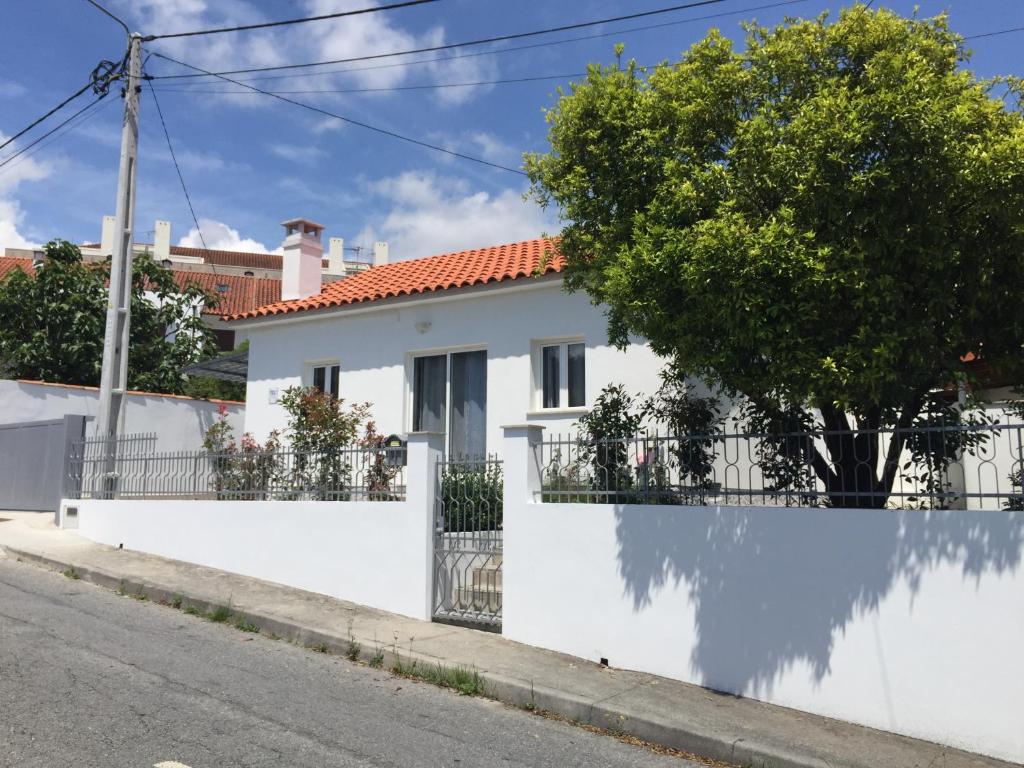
(472, 496)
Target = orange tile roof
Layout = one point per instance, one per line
(9, 264)
(435, 273)
(237, 293)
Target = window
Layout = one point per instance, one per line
(326, 378)
(449, 395)
(563, 375)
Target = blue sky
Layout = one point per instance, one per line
(252, 162)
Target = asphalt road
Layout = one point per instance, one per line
(94, 680)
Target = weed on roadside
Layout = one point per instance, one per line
(320, 648)
(122, 588)
(192, 610)
(71, 573)
(245, 626)
(176, 602)
(468, 682)
(352, 652)
(221, 614)
(377, 660)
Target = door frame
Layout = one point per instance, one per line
(407, 418)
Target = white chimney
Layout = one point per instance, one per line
(162, 240)
(107, 235)
(380, 253)
(336, 256)
(301, 270)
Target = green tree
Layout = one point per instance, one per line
(52, 322)
(823, 222)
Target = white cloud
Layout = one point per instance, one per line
(296, 153)
(345, 38)
(12, 217)
(431, 215)
(10, 89)
(219, 236)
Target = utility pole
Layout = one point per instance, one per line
(114, 377)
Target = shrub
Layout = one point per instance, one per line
(472, 493)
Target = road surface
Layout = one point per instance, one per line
(93, 679)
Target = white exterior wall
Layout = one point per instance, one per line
(908, 621)
(375, 349)
(179, 422)
(375, 553)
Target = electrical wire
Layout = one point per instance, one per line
(101, 9)
(388, 90)
(69, 125)
(174, 159)
(531, 46)
(53, 130)
(449, 46)
(265, 25)
(349, 120)
(53, 111)
(994, 34)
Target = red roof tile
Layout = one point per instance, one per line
(238, 293)
(435, 273)
(8, 264)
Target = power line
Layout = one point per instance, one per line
(394, 88)
(56, 109)
(531, 46)
(994, 34)
(27, 147)
(70, 125)
(336, 116)
(264, 25)
(103, 10)
(170, 148)
(449, 46)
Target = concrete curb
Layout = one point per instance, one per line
(705, 743)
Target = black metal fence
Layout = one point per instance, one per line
(140, 472)
(935, 467)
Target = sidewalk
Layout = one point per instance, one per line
(739, 731)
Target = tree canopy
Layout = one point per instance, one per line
(52, 322)
(826, 220)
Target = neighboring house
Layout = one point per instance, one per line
(235, 293)
(242, 281)
(460, 343)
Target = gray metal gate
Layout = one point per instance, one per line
(32, 456)
(468, 542)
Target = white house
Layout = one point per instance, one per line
(461, 343)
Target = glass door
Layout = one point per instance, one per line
(449, 395)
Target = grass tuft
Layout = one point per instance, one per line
(71, 573)
(221, 614)
(176, 602)
(245, 626)
(377, 660)
(468, 682)
(321, 648)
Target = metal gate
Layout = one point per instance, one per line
(32, 456)
(467, 542)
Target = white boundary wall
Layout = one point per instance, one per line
(907, 621)
(377, 554)
(179, 422)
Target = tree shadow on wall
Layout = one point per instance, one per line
(769, 592)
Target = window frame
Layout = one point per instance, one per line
(327, 364)
(563, 343)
